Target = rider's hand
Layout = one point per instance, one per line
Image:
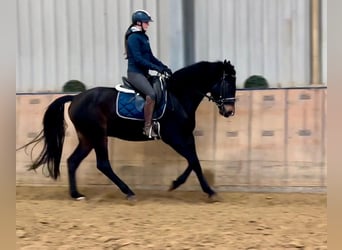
(167, 71)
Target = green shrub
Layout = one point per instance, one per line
(256, 82)
(74, 86)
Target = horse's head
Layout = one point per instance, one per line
(223, 92)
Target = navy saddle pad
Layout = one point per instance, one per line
(130, 104)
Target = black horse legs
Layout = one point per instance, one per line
(73, 162)
(184, 176)
(81, 151)
(204, 184)
(104, 166)
(188, 150)
(181, 179)
(106, 169)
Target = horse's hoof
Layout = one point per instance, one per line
(77, 196)
(131, 198)
(214, 198)
(81, 198)
(172, 187)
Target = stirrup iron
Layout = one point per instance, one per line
(152, 131)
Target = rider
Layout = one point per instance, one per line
(140, 61)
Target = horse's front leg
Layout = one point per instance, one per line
(186, 147)
(181, 179)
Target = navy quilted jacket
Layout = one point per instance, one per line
(139, 54)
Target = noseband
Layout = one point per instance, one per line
(223, 89)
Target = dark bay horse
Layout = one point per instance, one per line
(93, 114)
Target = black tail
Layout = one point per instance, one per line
(53, 134)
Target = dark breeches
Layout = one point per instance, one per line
(140, 82)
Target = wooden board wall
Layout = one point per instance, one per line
(276, 140)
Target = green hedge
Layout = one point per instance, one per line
(74, 86)
(256, 82)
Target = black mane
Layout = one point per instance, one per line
(189, 84)
(201, 73)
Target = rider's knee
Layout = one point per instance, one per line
(151, 97)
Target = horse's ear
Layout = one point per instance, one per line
(225, 61)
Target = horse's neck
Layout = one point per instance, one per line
(188, 101)
(191, 84)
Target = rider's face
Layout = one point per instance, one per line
(145, 25)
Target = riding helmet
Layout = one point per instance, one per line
(141, 16)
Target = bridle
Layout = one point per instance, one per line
(223, 89)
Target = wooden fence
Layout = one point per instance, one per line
(276, 142)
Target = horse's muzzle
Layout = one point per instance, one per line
(227, 110)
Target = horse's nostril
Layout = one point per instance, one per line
(226, 114)
(229, 113)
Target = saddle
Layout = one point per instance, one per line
(130, 103)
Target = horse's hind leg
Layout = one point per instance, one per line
(81, 151)
(103, 164)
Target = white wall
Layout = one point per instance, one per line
(262, 37)
(60, 40)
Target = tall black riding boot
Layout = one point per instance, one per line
(148, 112)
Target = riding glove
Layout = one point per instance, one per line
(167, 71)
